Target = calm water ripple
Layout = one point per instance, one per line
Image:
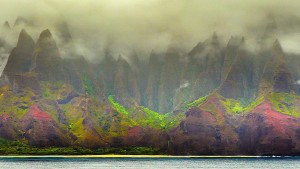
(149, 163)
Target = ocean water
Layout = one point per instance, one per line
(147, 163)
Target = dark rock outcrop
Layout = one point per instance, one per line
(154, 78)
(21, 57)
(283, 79)
(206, 130)
(26, 81)
(125, 83)
(41, 130)
(276, 75)
(239, 82)
(266, 132)
(47, 62)
(9, 128)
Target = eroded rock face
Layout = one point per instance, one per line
(276, 75)
(206, 130)
(54, 101)
(169, 79)
(41, 130)
(92, 138)
(239, 82)
(195, 135)
(9, 127)
(144, 137)
(265, 131)
(47, 61)
(283, 80)
(154, 78)
(201, 72)
(125, 83)
(26, 80)
(21, 57)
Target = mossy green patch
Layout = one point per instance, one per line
(118, 107)
(148, 118)
(233, 106)
(89, 86)
(285, 103)
(20, 148)
(237, 107)
(55, 90)
(197, 102)
(145, 117)
(253, 104)
(152, 118)
(77, 128)
(16, 103)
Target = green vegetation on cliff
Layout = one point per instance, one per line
(19, 148)
(145, 117)
(237, 107)
(118, 107)
(89, 86)
(55, 90)
(197, 102)
(285, 103)
(17, 104)
(233, 106)
(160, 121)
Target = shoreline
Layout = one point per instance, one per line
(133, 156)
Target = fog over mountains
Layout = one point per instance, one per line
(184, 77)
(153, 25)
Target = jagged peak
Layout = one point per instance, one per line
(196, 49)
(45, 34)
(270, 28)
(271, 25)
(154, 57)
(122, 63)
(46, 39)
(134, 56)
(211, 43)
(6, 25)
(277, 50)
(24, 38)
(274, 67)
(23, 31)
(276, 44)
(215, 39)
(109, 57)
(214, 36)
(23, 34)
(236, 41)
(283, 79)
(121, 59)
(20, 20)
(62, 29)
(243, 40)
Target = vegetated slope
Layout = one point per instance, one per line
(214, 100)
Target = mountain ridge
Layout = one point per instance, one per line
(213, 100)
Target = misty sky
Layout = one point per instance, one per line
(143, 25)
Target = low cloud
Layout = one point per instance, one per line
(143, 26)
(184, 84)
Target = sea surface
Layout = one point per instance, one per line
(148, 162)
